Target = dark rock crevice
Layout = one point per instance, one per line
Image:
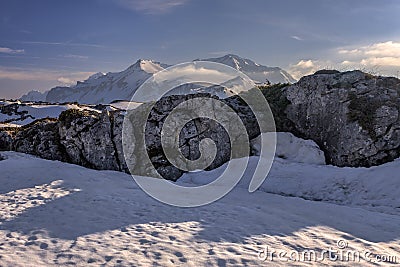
(113, 135)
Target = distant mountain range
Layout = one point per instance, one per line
(106, 88)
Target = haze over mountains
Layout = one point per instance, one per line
(106, 88)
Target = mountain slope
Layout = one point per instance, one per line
(34, 96)
(105, 88)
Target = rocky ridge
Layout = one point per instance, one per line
(94, 140)
(353, 116)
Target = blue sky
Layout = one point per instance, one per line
(44, 43)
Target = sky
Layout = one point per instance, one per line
(45, 43)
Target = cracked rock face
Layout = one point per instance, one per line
(353, 116)
(39, 138)
(190, 137)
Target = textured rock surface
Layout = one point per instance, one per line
(87, 139)
(190, 137)
(352, 116)
(39, 138)
(94, 140)
(6, 139)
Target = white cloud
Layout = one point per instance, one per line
(347, 63)
(382, 61)
(304, 67)
(43, 75)
(305, 64)
(211, 72)
(151, 6)
(75, 56)
(65, 44)
(297, 38)
(382, 58)
(384, 49)
(7, 50)
(66, 81)
(387, 49)
(349, 52)
(378, 54)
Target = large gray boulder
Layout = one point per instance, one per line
(352, 116)
(141, 160)
(39, 138)
(87, 139)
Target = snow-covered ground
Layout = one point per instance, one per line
(30, 111)
(124, 105)
(57, 214)
(34, 112)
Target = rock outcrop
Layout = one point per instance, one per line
(87, 139)
(352, 116)
(6, 139)
(193, 132)
(94, 139)
(39, 138)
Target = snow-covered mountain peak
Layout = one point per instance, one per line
(148, 66)
(235, 61)
(95, 76)
(105, 88)
(259, 73)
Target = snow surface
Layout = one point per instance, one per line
(374, 188)
(8, 102)
(57, 214)
(38, 112)
(125, 105)
(4, 125)
(293, 149)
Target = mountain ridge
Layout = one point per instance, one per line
(103, 88)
